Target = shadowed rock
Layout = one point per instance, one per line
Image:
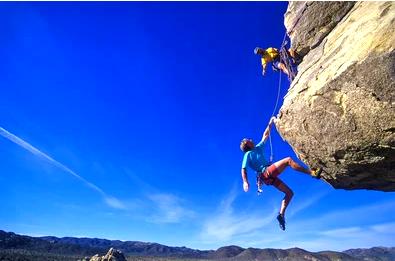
(308, 23)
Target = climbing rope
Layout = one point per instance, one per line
(297, 20)
(278, 95)
(259, 181)
(274, 111)
(284, 57)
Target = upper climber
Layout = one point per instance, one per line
(273, 55)
(254, 158)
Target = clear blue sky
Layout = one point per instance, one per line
(123, 121)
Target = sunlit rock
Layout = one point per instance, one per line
(339, 111)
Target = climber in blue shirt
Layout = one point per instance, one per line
(254, 158)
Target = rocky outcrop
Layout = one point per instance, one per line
(112, 255)
(308, 23)
(339, 111)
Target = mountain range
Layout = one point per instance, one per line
(71, 248)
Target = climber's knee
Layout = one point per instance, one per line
(283, 68)
(282, 164)
(289, 161)
(292, 52)
(289, 195)
(292, 163)
(285, 189)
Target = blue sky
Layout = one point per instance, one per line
(123, 121)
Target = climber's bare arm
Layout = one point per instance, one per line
(263, 69)
(266, 133)
(244, 176)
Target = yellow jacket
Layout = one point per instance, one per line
(270, 55)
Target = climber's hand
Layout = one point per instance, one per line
(272, 120)
(246, 186)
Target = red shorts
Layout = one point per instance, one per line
(269, 176)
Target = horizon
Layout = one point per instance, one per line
(125, 241)
(131, 113)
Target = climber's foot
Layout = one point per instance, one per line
(281, 221)
(316, 173)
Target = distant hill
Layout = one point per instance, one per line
(129, 247)
(19, 247)
(12, 241)
(373, 254)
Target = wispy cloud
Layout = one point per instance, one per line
(343, 232)
(348, 217)
(168, 209)
(385, 228)
(110, 201)
(113, 202)
(226, 225)
(300, 205)
(344, 229)
(334, 230)
(344, 238)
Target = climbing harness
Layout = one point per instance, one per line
(284, 55)
(259, 182)
(264, 177)
(286, 60)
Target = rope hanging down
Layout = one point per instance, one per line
(284, 57)
(274, 111)
(258, 179)
(298, 18)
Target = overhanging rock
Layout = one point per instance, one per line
(339, 111)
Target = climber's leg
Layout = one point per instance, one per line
(282, 164)
(291, 52)
(295, 56)
(283, 68)
(280, 185)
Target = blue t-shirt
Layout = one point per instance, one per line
(255, 158)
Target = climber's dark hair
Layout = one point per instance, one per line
(243, 145)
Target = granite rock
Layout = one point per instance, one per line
(339, 111)
(112, 255)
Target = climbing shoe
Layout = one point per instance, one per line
(316, 173)
(281, 221)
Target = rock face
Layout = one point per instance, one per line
(319, 18)
(112, 255)
(339, 111)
